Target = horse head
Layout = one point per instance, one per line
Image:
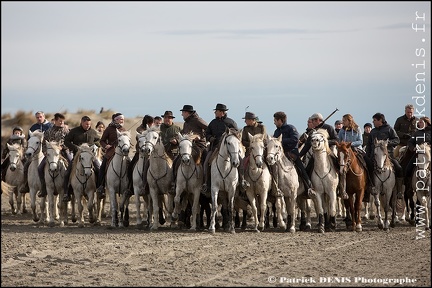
(381, 157)
(34, 143)
(15, 155)
(141, 140)
(274, 149)
(124, 142)
(85, 157)
(151, 139)
(232, 144)
(257, 148)
(185, 147)
(344, 156)
(319, 140)
(53, 154)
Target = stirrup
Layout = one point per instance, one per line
(41, 194)
(204, 188)
(373, 191)
(245, 184)
(400, 195)
(66, 198)
(101, 192)
(344, 195)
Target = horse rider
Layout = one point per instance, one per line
(214, 132)
(252, 127)
(77, 136)
(169, 133)
(318, 123)
(194, 124)
(42, 124)
(350, 132)
(290, 138)
(422, 135)
(56, 133)
(109, 142)
(383, 131)
(367, 127)
(17, 137)
(405, 127)
(147, 121)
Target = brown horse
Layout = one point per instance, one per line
(352, 181)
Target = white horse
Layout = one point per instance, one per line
(117, 180)
(189, 178)
(325, 181)
(138, 183)
(159, 175)
(55, 172)
(258, 175)
(288, 182)
(15, 177)
(82, 180)
(384, 177)
(35, 155)
(224, 174)
(421, 183)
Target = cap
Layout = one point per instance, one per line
(250, 115)
(168, 114)
(337, 122)
(188, 108)
(367, 125)
(221, 107)
(316, 116)
(17, 128)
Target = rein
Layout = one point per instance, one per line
(225, 160)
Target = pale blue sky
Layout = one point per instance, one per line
(147, 57)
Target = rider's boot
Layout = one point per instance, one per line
(399, 187)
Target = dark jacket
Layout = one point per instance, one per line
(253, 130)
(78, 136)
(290, 137)
(419, 137)
(110, 137)
(405, 128)
(168, 132)
(42, 127)
(198, 126)
(384, 132)
(217, 127)
(55, 133)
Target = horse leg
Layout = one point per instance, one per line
(378, 211)
(279, 207)
(214, 207)
(394, 202)
(195, 209)
(357, 211)
(155, 200)
(12, 202)
(252, 202)
(320, 212)
(290, 201)
(230, 212)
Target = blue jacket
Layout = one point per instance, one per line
(355, 137)
(290, 137)
(42, 127)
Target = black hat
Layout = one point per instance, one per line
(337, 122)
(168, 114)
(250, 115)
(188, 108)
(367, 125)
(221, 107)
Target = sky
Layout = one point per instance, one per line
(147, 57)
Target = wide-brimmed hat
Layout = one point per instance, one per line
(316, 116)
(250, 115)
(221, 107)
(188, 108)
(168, 114)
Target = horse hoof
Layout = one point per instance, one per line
(291, 230)
(81, 225)
(25, 211)
(371, 217)
(380, 226)
(359, 229)
(213, 231)
(74, 219)
(392, 225)
(126, 223)
(51, 224)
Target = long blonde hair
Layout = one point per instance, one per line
(352, 125)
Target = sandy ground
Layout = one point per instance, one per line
(33, 255)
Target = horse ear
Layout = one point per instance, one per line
(375, 141)
(280, 138)
(349, 144)
(9, 146)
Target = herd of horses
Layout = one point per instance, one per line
(226, 198)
